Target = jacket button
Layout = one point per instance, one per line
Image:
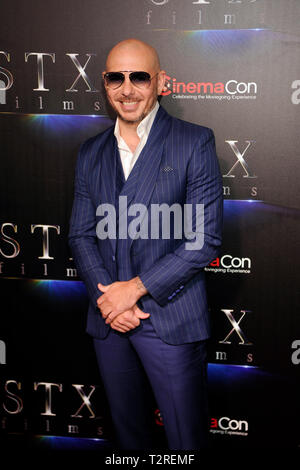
(113, 258)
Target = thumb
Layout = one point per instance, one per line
(140, 314)
(102, 287)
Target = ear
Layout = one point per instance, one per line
(104, 83)
(161, 82)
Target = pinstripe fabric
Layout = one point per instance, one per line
(177, 165)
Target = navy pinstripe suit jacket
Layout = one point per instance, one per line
(178, 165)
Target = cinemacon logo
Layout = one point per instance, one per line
(231, 87)
(230, 264)
(227, 425)
(228, 261)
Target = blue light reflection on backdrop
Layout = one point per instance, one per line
(62, 123)
(71, 443)
(221, 41)
(60, 290)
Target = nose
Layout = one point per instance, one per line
(127, 87)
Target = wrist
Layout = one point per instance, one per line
(140, 289)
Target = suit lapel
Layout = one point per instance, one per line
(108, 177)
(150, 158)
(141, 182)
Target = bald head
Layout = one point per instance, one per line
(133, 51)
(131, 101)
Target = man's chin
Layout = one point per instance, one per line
(131, 120)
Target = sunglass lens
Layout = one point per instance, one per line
(140, 79)
(114, 79)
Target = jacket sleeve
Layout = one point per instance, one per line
(82, 232)
(204, 188)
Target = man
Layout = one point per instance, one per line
(148, 312)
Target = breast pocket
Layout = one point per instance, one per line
(167, 173)
(167, 188)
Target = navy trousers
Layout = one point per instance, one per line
(129, 362)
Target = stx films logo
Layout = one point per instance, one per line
(236, 347)
(235, 327)
(240, 169)
(17, 248)
(79, 411)
(232, 89)
(15, 402)
(240, 159)
(42, 64)
(198, 14)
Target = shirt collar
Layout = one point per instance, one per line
(143, 128)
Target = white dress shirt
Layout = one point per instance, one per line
(128, 158)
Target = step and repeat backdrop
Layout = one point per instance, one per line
(233, 66)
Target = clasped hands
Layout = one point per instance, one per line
(118, 304)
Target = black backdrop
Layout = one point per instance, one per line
(233, 65)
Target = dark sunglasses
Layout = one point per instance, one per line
(139, 79)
